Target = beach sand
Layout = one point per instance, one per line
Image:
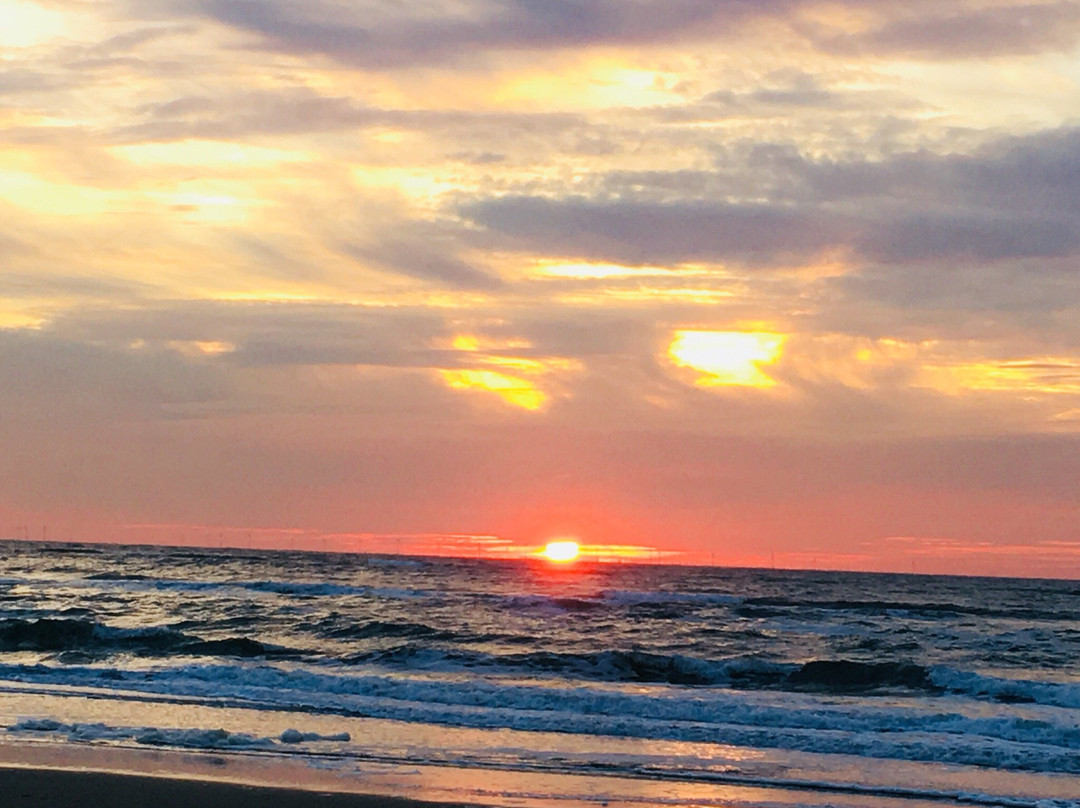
(44, 788)
(47, 774)
(61, 775)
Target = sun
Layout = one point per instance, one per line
(561, 551)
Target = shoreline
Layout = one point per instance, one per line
(26, 787)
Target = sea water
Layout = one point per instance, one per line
(840, 688)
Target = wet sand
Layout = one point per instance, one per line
(44, 788)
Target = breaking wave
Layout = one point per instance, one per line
(891, 730)
(768, 606)
(81, 638)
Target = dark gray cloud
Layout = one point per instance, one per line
(375, 35)
(648, 232)
(1017, 198)
(975, 236)
(366, 35)
(1038, 173)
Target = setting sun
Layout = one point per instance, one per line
(562, 551)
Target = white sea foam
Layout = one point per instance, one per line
(166, 736)
(1058, 694)
(295, 736)
(150, 736)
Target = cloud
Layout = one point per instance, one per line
(44, 73)
(24, 285)
(378, 36)
(370, 35)
(265, 334)
(647, 232)
(962, 33)
(1017, 198)
(789, 90)
(957, 298)
(1037, 173)
(50, 378)
(301, 110)
(916, 238)
(27, 83)
(252, 113)
(420, 252)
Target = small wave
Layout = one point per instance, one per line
(336, 628)
(577, 604)
(72, 549)
(203, 558)
(81, 639)
(629, 599)
(622, 597)
(117, 576)
(778, 606)
(677, 669)
(839, 676)
(417, 657)
(845, 676)
(299, 589)
(239, 621)
(378, 561)
(606, 666)
(306, 590)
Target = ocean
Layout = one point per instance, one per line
(590, 683)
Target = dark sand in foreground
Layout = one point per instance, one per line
(43, 788)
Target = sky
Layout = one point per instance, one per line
(749, 282)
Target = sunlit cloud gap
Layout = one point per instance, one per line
(24, 24)
(512, 390)
(727, 357)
